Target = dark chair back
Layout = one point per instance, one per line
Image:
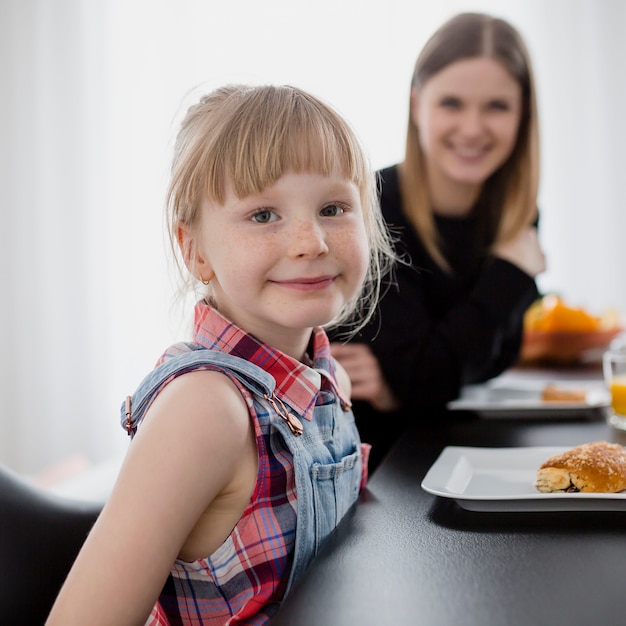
(40, 536)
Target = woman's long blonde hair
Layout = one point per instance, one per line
(248, 137)
(508, 199)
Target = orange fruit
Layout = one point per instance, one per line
(552, 314)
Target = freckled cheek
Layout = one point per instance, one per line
(354, 249)
(233, 258)
(227, 244)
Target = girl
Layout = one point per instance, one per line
(464, 205)
(245, 453)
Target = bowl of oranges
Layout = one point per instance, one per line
(555, 331)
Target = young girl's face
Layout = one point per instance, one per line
(468, 116)
(286, 259)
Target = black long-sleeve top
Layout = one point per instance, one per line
(435, 331)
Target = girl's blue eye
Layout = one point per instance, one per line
(332, 210)
(264, 216)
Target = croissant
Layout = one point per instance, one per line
(591, 467)
(552, 393)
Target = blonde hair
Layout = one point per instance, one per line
(249, 137)
(509, 196)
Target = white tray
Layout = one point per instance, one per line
(503, 398)
(503, 479)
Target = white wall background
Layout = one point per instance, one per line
(92, 91)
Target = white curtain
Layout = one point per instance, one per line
(92, 92)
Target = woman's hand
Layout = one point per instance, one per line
(365, 374)
(524, 251)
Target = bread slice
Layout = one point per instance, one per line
(592, 467)
(552, 393)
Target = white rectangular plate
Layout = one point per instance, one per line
(522, 398)
(503, 479)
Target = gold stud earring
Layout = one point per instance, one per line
(204, 282)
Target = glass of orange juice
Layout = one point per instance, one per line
(614, 367)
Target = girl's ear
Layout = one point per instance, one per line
(195, 262)
(185, 243)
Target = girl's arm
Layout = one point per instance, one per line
(185, 453)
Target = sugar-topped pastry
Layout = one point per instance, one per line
(591, 467)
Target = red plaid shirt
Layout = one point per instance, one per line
(244, 581)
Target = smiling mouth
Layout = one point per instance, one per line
(469, 153)
(307, 284)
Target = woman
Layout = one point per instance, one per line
(463, 205)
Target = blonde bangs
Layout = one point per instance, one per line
(283, 130)
(247, 138)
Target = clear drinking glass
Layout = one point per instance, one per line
(614, 368)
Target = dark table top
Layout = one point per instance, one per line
(402, 556)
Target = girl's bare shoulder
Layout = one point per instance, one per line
(206, 402)
(198, 425)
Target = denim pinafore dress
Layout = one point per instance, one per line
(329, 461)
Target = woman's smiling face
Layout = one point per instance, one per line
(468, 116)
